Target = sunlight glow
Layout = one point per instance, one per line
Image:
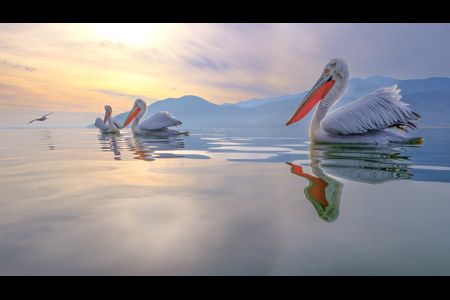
(135, 34)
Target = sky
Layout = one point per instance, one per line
(75, 69)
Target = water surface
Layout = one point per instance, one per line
(221, 202)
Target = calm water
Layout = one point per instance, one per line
(221, 202)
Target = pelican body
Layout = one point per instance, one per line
(362, 121)
(108, 124)
(43, 118)
(154, 125)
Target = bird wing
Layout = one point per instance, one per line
(32, 121)
(378, 110)
(100, 125)
(47, 114)
(117, 123)
(159, 120)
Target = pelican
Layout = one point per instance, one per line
(112, 126)
(155, 125)
(43, 118)
(362, 121)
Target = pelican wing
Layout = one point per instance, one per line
(378, 110)
(100, 125)
(159, 120)
(117, 123)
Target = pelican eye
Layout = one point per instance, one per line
(326, 71)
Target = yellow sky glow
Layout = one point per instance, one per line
(128, 33)
(78, 68)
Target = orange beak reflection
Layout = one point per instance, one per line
(316, 189)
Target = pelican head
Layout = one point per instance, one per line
(108, 112)
(138, 111)
(332, 83)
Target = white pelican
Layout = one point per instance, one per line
(43, 118)
(362, 121)
(112, 126)
(154, 125)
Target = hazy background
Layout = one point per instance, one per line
(73, 70)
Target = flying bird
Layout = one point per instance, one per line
(155, 125)
(112, 126)
(362, 121)
(43, 118)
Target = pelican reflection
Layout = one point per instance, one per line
(109, 142)
(371, 164)
(146, 148)
(151, 147)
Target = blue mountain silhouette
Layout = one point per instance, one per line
(430, 98)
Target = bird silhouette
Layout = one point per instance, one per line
(43, 118)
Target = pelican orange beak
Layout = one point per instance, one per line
(319, 90)
(107, 115)
(133, 113)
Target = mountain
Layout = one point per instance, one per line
(257, 101)
(359, 87)
(430, 98)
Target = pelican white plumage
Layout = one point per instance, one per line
(112, 126)
(154, 125)
(362, 121)
(43, 118)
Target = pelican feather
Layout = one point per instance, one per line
(159, 120)
(378, 110)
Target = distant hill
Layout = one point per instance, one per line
(257, 101)
(430, 98)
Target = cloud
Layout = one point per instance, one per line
(74, 65)
(118, 94)
(399, 50)
(205, 62)
(17, 66)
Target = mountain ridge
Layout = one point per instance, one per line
(429, 97)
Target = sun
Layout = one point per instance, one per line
(136, 34)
